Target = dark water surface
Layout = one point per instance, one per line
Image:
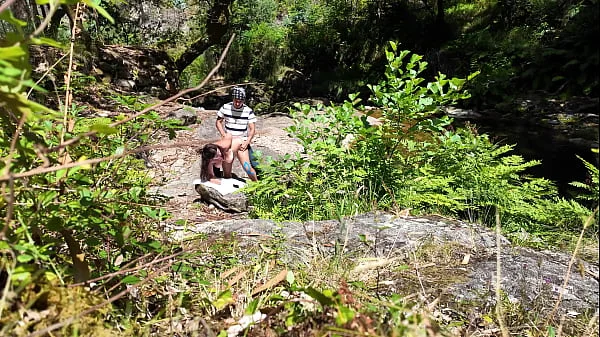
(557, 152)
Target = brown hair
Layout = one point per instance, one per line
(209, 151)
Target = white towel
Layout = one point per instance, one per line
(228, 185)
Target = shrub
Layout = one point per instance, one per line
(412, 161)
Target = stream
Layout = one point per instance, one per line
(556, 149)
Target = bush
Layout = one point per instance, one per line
(411, 161)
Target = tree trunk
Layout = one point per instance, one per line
(20, 10)
(35, 12)
(217, 25)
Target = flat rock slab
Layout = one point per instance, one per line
(528, 276)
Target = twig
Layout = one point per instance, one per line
(9, 271)
(122, 271)
(46, 22)
(11, 204)
(419, 278)
(68, 94)
(46, 74)
(209, 332)
(156, 260)
(74, 140)
(5, 6)
(11, 183)
(219, 88)
(591, 327)
(499, 311)
(41, 170)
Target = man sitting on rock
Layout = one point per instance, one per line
(237, 119)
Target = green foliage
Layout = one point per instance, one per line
(411, 161)
(103, 209)
(259, 52)
(591, 186)
(523, 45)
(590, 195)
(195, 72)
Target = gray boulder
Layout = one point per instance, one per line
(464, 270)
(223, 197)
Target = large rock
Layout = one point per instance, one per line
(224, 196)
(532, 278)
(139, 69)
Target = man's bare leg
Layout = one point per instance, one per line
(244, 158)
(235, 146)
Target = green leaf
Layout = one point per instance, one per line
(22, 272)
(319, 296)
(11, 72)
(131, 279)
(393, 45)
(13, 52)
(59, 174)
(95, 4)
(224, 299)
(46, 41)
(134, 192)
(55, 224)
(252, 307)
(156, 245)
(290, 277)
(344, 315)
(8, 16)
(103, 128)
(24, 258)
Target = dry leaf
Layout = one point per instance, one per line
(237, 277)
(267, 249)
(274, 281)
(404, 212)
(226, 273)
(372, 264)
(118, 260)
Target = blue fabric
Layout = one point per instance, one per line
(253, 159)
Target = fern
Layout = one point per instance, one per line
(591, 187)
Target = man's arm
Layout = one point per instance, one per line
(251, 131)
(219, 124)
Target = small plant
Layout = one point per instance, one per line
(589, 187)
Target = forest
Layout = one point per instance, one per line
(83, 249)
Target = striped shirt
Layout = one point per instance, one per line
(236, 120)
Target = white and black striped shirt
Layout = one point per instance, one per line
(237, 120)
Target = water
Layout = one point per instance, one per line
(557, 152)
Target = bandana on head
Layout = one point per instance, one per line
(238, 93)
